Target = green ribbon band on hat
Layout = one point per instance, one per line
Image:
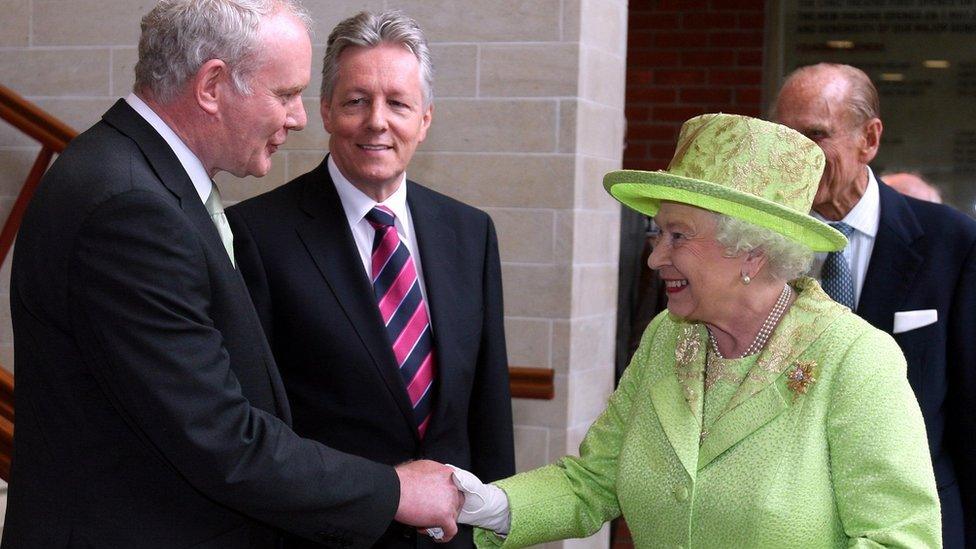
(763, 173)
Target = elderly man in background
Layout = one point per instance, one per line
(150, 412)
(382, 299)
(912, 184)
(910, 270)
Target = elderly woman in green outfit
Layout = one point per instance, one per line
(756, 412)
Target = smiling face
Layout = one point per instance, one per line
(376, 116)
(701, 281)
(256, 124)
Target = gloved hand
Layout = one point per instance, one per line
(485, 505)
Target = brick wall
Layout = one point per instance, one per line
(685, 58)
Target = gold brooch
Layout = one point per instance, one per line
(801, 377)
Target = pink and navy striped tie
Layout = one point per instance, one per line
(397, 290)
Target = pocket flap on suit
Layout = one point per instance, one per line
(911, 320)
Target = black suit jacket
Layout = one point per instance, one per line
(297, 253)
(924, 257)
(150, 412)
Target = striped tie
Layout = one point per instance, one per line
(401, 305)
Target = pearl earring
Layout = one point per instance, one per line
(746, 279)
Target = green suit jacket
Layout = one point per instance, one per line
(822, 445)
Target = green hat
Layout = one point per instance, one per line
(763, 173)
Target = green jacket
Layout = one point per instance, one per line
(837, 461)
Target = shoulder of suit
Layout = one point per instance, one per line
(943, 219)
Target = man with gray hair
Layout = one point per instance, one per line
(381, 298)
(909, 269)
(150, 411)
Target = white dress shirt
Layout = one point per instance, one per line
(357, 204)
(864, 217)
(194, 168)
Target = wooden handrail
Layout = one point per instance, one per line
(53, 135)
(531, 383)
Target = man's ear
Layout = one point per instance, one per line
(209, 83)
(872, 139)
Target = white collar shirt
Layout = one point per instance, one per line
(864, 217)
(191, 164)
(356, 204)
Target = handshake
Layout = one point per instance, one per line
(436, 498)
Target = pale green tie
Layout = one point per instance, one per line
(219, 218)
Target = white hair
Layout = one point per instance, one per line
(179, 36)
(786, 259)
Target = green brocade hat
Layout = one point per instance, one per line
(757, 171)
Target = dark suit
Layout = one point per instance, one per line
(924, 257)
(297, 253)
(150, 412)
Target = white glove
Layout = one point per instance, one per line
(485, 505)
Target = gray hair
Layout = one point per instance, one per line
(179, 36)
(786, 259)
(368, 30)
(862, 101)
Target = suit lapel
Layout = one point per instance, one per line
(678, 397)
(329, 241)
(439, 263)
(894, 262)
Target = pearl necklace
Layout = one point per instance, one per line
(765, 330)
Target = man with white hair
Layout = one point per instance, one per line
(150, 411)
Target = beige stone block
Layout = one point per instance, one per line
(597, 237)
(588, 393)
(314, 88)
(567, 125)
(565, 235)
(300, 162)
(15, 23)
(519, 126)
(524, 235)
(594, 289)
(537, 290)
(528, 340)
(88, 22)
(529, 412)
(497, 21)
(562, 341)
(455, 70)
(234, 189)
(534, 70)
(600, 129)
(6, 331)
(604, 25)
(123, 73)
(326, 14)
(603, 77)
(5, 271)
(590, 193)
(79, 114)
(56, 72)
(557, 445)
(15, 164)
(498, 180)
(7, 360)
(570, 21)
(599, 540)
(313, 137)
(531, 447)
(591, 341)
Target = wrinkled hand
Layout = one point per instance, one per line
(485, 505)
(428, 497)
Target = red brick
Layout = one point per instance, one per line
(635, 150)
(637, 113)
(652, 21)
(648, 165)
(749, 39)
(682, 5)
(637, 77)
(705, 95)
(651, 95)
(680, 39)
(741, 5)
(743, 77)
(706, 21)
(679, 77)
(749, 58)
(676, 113)
(643, 131)
(755, 20)
(653, 59)
(661, 150)
(709, 58)
(746, 96)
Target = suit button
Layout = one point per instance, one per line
(681, 493)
